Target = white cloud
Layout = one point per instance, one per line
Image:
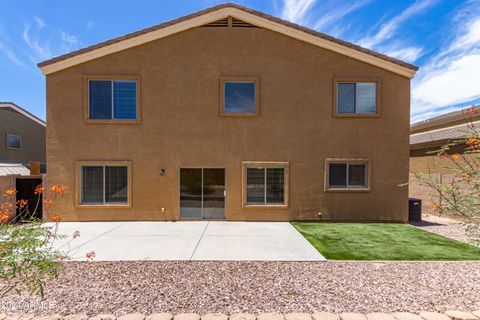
(40, 43)
(389, 29)
(39, 21)
(457, 83)
(41, 50)
(296, 10)
(332, 16)
(451, 78)
(409, 54)
(11, 55)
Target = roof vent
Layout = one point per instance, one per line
(218, 24)
(223, 23)
(241, 24)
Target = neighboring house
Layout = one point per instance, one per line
(228, 113)
(426, 139)
(23, 135)
(22, 153)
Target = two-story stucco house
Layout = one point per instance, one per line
(228, 113)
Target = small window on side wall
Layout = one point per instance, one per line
(356, 98)
(112, 100)
(14, 141)
(347, 175)
(239, 96)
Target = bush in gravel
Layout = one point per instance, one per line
(461, 195)
(27, 256)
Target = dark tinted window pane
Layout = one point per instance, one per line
(14, 141)
(357, 175)
(255, 185)
(366, 97)
(116, 179)
(191, 193)
(125, 99)
(92, 185)
(346, 98)
(239, 97)
(213, 193)
(337, 175)
(275, 185)
(100, 99)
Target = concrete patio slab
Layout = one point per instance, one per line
(254, 241)
(186, 240)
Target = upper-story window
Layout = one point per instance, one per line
(356, 98)
(112, 99)
(239, 96)
(14, 141)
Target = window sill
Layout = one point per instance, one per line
(347, 190)
(356, 115)
(15, 149)
(91, 121)
(246, 115)
(105, 206)
(265, 206)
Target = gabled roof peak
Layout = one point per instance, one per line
(221, 11)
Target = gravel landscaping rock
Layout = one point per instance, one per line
(449, 228)
(256, 287)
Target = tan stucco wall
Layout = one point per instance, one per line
(181, 126)
(33, 138)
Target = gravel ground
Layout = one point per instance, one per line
(228, 287)
(449, 228)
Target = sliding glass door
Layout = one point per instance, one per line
(202, 193)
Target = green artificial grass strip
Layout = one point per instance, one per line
(382, 241)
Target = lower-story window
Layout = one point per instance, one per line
(347, 174)
(265, 183)
(104, 183)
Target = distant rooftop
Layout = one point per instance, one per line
(444, 120)
(13, 106)
(7, 169)
(438, 130)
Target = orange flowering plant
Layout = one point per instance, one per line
(27, 255)
(460, 195)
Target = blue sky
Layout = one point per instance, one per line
(442, 37)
